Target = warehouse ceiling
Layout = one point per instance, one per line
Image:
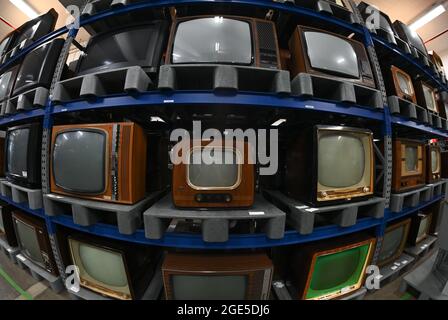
(404, 10)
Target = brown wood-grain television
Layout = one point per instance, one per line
(103, 162)
(310, 54)
(207, 40)
(409, 171)
(433, 163)
(403, 85)
(217, 276)
(213, 175)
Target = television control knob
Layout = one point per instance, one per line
(366, 189)
(199, 198)
(324, 194)
(228, 198)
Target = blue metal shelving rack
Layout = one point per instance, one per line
(244, 99)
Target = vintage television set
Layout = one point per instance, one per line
(426, 96)
(33, 30)
(112, 268)
(133, 45)
(217, 276)
(5, 45)
(326, 270)
(330, 164)
(349, 60)
(435, 58)
(433, 163)
(7, 232)
(33, 240)
(409, 171)
(23, 155)
(102, 162)
(400, 84)
(385, 29)
(224, 40)
(38, 67)
(394, 242)
(442, 101)
(204, 179)
(7, 81)
(410, 37)
(420, 226)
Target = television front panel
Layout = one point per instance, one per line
(7, 80)
(103, 162)
(217, 277)
(394, 242)
(23, 155)
(347, 61)
(420, 226)
(7, 232)
(403, 85)
(38, 67)
(204, 179)
(426, 96)
(33, 240)
(410, 37)
(409, 171)
(135, 45)
(433, 163)
(336, 166)
(224, 40)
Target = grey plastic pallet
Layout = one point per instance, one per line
(96, 6)
(124, 80)
(153, 291)
(439, 188)
(422, 248)
(19, 194)
(423, 281)
(392, 271)
(407, 109)
(435, 120)
(410, 199)
(88, 212)
(214, 223)
(223, 78)
(56, 283)
(36, 98)
(9, 251)
(327, 88)
(303, 218)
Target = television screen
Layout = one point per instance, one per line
(188, 287)
(91, 261)
(4, 46)
(138, 45)
(392, 242)
(17, 152)
(79, 161)
(430, 99)
(213, 40)
(342, 160)
(405, 85)
(214, 175)
(29, 243)
(5, 80)
(411, 157)
(336, 271)
(423, 228)
(435, 161)
(343, 60)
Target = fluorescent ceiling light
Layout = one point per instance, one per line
(428, 17)
(278, 122)
(25, 8)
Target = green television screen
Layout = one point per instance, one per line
(337, 271)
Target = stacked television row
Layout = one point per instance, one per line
(308, 269)
(119, 160)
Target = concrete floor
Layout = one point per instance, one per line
(23, 280)
(40, 291)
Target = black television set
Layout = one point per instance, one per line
(5, 45)
(134, 45)
(7, 232)
(37, 68)
(394, 242)
(385, 29)
(35, 29)
(7, 81)
(410, 37)
(23, 155)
